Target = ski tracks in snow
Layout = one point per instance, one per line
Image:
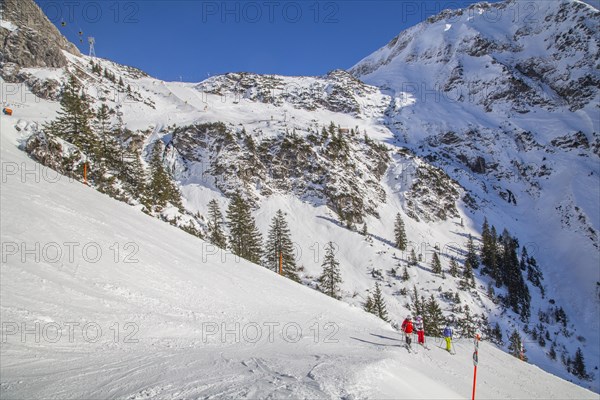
(253, 377)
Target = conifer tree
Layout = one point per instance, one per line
(108, 150)
(493, 266)
(405, 275)
(364, 231)
(412, 258)
(511, 275)
(279, 247)
(418, 306)
(332, 129)
(578, 366)
(467, 322)
(496, 334)
(453, 268)
(73, 122)
(368, 304)
(472, 256)
(534, 274)
(436, 265)
(488, 252)
(161, 190)
(468, 278)
(433, 318)
(216, 235)
(133, 175)
(515, 345)
(104, 153)
(378, 306)
(245, 240)
(331, 278)
(399, 233)
(552, 352)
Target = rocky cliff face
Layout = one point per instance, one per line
(29, 39)
(342, 171)
(338, 91)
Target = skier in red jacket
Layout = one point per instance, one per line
(407, 328)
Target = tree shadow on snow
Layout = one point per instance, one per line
(384, 241)
(333, 221)
(338, 223)
(375, 343)
(387, 337)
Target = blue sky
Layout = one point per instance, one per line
(188, 40)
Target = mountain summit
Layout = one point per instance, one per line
(511, 56)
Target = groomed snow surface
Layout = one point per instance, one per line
(115, 304)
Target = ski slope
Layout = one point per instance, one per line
(156, 319)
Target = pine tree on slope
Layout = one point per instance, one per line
(102, 127)
(216, 235)
(418, 306)
(433, 317)
(378, 304)
(400, 233)
(453, 270)
(245, 240)
(161, 190)
(331, 278)
(515, 345)
(472, 256)
(468, 278)
(578, 366)
(368, 304)
(436, 265)
(412, 258)
(405, 276)
(279, 246)
(73, 122)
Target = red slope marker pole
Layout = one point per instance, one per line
(475, 362)
(474, 381)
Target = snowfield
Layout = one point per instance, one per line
(99, 300)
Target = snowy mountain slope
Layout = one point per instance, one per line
(504, 98)
(170, 297)
(445, 133)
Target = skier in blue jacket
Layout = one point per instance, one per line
(448, 336)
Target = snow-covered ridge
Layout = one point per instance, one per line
(338, 91)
